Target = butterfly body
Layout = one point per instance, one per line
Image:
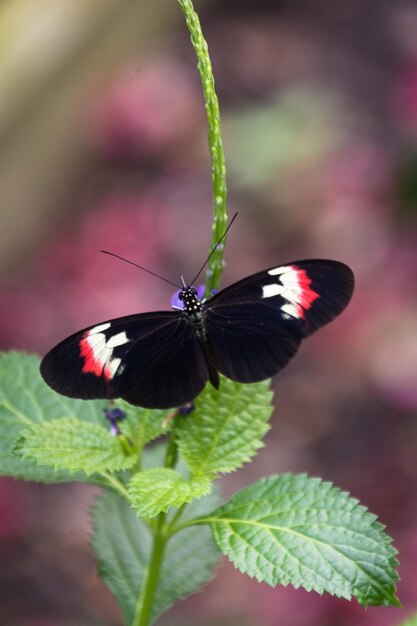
(247, 332)
(193, 312)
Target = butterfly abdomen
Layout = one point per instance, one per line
(207, 350)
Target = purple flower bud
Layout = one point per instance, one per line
(115, 430)
(113, 416)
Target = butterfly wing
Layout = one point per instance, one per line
(152, 360)
(255, 326)
(165, 371)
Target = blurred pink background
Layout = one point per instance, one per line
(104, 146)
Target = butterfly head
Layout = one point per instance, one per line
(192, 306)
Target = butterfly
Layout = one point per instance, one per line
(248, 332)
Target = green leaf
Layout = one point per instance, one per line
(156, 490)
(24, 400)
(122, 543)
(226, 428)
(72, 445)
(143, 425)
(300, 530)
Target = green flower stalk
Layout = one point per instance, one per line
(218, 163)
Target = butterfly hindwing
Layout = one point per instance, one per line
(253, 347)
(131, 357)
(256, 325)
(165, 370)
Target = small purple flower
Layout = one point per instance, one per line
(114, 416)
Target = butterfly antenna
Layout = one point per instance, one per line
(214, 249)
(140, 267)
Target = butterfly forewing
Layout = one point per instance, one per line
(107, 361)
(255, 326)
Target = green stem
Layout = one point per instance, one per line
(144, 607)
(218, 163)
(196, 521)
(173, 525)
(171, 454)
(116, 484)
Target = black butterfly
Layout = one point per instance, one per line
(248, 332)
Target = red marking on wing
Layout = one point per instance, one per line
(307, 296)
(92, 365)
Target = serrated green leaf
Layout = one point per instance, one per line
(156, 490)
(143, 425)
(122, 543)
(300, 530)
(75, 446)
(226, 428)
(24, 400)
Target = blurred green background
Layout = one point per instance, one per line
(103, 145)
